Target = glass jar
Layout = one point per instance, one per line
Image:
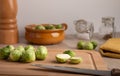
(107, 28)
(84, 29)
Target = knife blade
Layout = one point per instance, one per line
(114, 72)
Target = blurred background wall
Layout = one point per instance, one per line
(59, 11)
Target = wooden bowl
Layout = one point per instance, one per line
(44, 36)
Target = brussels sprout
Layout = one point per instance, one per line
(15, 55)
(75, 60)
(50, 27)
(28, 56)
(94, 44)
(41, 53)
(40, 27)
(4, 53)
(10, 47)
(62, 58)
(0, 53)
(80, 45)
(88, 46)
(29, 47)
(69, 52)
(20, 48)
(59, 26)
(0, 49)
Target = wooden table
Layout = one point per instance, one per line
(70, 42)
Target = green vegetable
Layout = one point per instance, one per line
(28, 56)
(62, 58)
(15, 55)
(50, 27)
(20, 48)
(80, 45)
(88, 46)
(40, 27)
(29, 47)
(75, 60)
(0, 49)
(0, 54)
(41, 53)
(10, 47)
(69, 52)
(94, 44)
(4, 53)
(59, 26)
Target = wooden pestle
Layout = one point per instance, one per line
(8, 22)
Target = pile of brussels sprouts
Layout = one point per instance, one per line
(90, 45)
(48, 27)
(23, 54)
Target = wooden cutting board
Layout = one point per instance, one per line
(91, 60)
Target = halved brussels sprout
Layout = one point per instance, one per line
(41, 53)
(69, 52)
(75, 60)
(62, 58)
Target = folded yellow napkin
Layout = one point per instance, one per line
(111, 48)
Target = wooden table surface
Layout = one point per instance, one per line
(70, 42)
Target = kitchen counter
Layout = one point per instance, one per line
(70, 42)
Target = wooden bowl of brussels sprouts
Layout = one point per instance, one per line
(45, 33)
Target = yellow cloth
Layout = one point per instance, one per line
(111, 48)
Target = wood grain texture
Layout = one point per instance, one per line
(91, 60)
